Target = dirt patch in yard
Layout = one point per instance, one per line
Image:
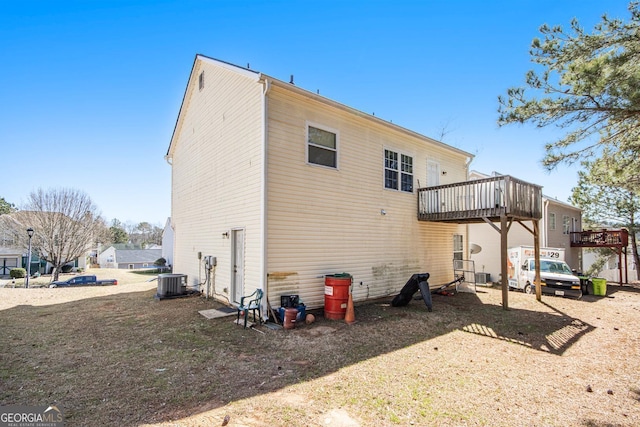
(116, 356)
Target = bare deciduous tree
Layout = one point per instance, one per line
(66, 223)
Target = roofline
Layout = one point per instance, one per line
(344, 107)
(254, 75)
(566, 204)
(247, 72)
(184, 97)
(261, 77)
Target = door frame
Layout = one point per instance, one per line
(237, 277)
(433, 174)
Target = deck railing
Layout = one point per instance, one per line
(483, 198)
(602, 238)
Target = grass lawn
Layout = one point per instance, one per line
(118, 357)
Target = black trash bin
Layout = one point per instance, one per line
(584, 284)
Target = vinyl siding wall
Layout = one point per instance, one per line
(216, 176)
(325, 221)
(558, 239)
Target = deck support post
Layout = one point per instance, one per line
(536, 257)
(504, 231)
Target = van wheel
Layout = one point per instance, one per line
(528, 289)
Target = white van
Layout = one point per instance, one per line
(556, 276)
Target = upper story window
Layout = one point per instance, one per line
(398, 171)
(552, 221)
(201, 80)
(322, 147)
(566, 224)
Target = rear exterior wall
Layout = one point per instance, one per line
(325, 220)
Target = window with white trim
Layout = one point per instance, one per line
(398, 171)
(458, 247)
(566, 224)
(552, 221)
(322, 147)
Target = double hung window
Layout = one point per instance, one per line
(322, 147)
(398, 171)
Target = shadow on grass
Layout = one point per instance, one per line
(552, 331)
(127, 359)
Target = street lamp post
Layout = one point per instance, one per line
(30, 234)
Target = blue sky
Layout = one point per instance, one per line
(90, 90)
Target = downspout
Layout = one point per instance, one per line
(169, 160)
(263, 192)
(543, 224)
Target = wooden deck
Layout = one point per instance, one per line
(481, 200)
(601, 238)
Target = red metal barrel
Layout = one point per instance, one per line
(336, 295)
(290, 315)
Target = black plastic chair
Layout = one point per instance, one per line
(250, 303)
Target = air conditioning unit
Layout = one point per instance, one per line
(483, 278)
(171, 285)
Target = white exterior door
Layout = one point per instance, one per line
(237, 265)
(433, 173)
(433, 179)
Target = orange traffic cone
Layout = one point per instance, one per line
(350, 315)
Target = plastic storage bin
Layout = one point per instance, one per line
(599, 286)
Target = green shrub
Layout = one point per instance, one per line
(160, 262)
(67, 268)
(18, 273)
(80, 270)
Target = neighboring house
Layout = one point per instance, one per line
(558, 220)
(167, 242)
(284, 186)
(14, 258)
(9, 223)
(10, 255)
(128, 258)
(9, 258)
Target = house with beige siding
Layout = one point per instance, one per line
(274, 187)
(558, 220)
